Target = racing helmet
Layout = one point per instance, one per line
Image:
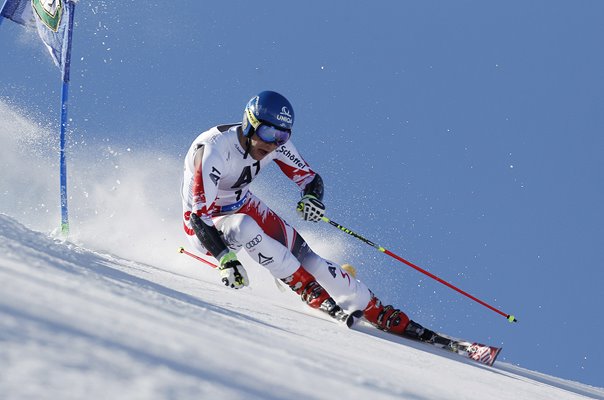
(269, 108)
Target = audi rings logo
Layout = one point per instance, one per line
(252, 243)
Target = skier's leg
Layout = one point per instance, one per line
(350, 293)
(240, 231)
(317, 280)
(273, 242)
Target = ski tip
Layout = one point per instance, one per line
(483, 353)
(495, 355)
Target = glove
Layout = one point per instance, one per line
(310, 208)
(232, 272)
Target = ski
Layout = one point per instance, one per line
(482, 353)
(477, 352)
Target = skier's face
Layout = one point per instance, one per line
(260, 149)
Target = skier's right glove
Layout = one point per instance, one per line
(310, 208)
(232, 272)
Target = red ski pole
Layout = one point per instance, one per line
(203, 260)
(509, 317)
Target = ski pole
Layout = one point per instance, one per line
(509, 317)
(203, 260)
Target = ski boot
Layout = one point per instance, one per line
(386, 318)
(313, 294)
(390, 319)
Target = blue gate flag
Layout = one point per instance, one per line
(53, 19)
(50, 18)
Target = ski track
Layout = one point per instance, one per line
(76, 324)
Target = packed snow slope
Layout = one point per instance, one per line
(77, 323)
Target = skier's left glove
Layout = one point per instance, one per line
(310, 208)
(232, 272)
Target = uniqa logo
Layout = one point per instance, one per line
(254, 242)
(285, 115)
(285, 111)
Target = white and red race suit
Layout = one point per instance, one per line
(218, 192)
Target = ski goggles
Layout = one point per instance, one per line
(272, 134)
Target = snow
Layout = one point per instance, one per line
(78, 323)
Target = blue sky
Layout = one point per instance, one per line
(464, 136)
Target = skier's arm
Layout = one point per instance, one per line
(209, 237)
(314, 187)
(208, 167)
(310, 206)
(297, 169)
(205, 191)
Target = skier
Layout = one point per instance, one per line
(222, 216)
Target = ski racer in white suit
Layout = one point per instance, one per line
(221, 215)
